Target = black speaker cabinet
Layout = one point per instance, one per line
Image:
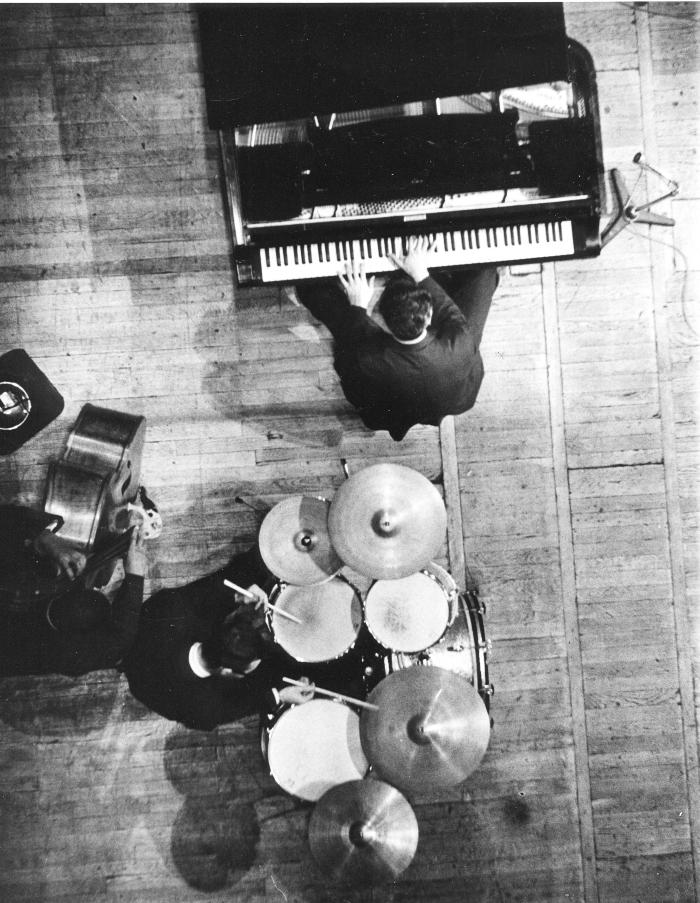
(28, 400)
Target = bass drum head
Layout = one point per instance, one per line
(408, 614)
(330, 615)
(315, 746)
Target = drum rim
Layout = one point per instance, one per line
(268, 733)
(445, 595)
(270, 618)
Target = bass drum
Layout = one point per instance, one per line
(463, 648)
(313, 747)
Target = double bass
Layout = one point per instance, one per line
(97, 476)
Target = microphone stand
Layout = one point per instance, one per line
(628, 213)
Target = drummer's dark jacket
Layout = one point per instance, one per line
(172, 621)
(395, 386)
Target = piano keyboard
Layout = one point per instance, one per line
(459, 247)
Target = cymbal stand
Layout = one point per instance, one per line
(627, 212)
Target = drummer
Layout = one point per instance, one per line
(203, 657)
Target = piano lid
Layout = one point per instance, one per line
(268, 62)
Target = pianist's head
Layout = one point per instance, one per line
(406, 307)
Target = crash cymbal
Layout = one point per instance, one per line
(364, 832)
(430, 731)
(387, 521)
(294, 541)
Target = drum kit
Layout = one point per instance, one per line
(422, 724)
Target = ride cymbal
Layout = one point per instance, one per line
(294, 541)
(364, 832)
(430, 731)
(387, 521)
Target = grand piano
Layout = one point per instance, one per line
(346, 128)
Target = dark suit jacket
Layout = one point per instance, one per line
(396, 386)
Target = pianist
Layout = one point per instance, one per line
(428, 365)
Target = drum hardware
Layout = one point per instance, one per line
(241, 501)
(295, 543)
(331, 613)
(472, 599)
(15, 405)
(364, 832)
(313, 747)
(387, 521)
(430, 732)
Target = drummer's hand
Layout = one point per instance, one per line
(69, 561)
(260, 596)
(298, 695)
(358, 287)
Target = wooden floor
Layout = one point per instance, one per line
(574, 483)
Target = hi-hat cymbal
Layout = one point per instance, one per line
(364, 832)
(294, 541)
(387, 521)
(430, 731)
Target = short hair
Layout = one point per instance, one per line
(79, 611)
(405, 306)
(237, 644)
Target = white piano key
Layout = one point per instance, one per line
(458, 247)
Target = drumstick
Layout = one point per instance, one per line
(350, 699)
(245, 592)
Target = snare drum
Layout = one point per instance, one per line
(411, 613)
(463, 648)
(330, 615)
(313, 747)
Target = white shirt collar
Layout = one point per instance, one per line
(196, 661)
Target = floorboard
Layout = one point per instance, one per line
(571, 488)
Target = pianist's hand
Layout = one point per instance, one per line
(415, 263)
(358, 287)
